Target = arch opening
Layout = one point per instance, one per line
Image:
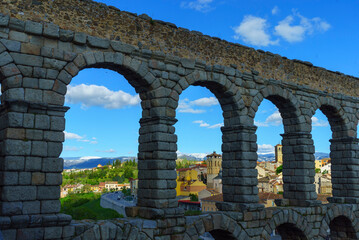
(199, 149)
(269, 152)
(217, 234)
(333, 166)
(321, 134)
(288, 231)
(341, 228)
(133, 78)
(101, 139)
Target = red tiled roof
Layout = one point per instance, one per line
(183, 169)
(266, 196)
(214, 154)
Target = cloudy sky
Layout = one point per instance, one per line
(105, 110)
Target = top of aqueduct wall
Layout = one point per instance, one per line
(104, 21)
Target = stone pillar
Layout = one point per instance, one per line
(239, 173)
(298, 170)
(32, 136)
(344, 154)
(156, 165)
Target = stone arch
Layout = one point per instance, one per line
(338, 119)
(219, 224)
(224, 89)
(10, 75)
(288, 223)
(287, 104)
(343, 148)
(156, 125)
(297, 148)
(133, 69)
(337, 219)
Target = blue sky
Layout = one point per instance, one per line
(105, 110)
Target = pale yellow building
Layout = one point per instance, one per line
(278, 153)
(214, 165)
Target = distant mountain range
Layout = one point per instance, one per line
(91, 162)
(192, 156)
(266, 157)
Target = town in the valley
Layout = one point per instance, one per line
(199, 183)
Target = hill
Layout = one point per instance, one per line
(91, 162)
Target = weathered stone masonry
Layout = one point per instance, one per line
(38, 59)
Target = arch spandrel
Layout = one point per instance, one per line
(10, 76)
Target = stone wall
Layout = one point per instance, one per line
(97, 19)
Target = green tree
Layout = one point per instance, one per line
(128, 172)
(86, 188)
(279, 169)
(193, 197)
(317, 170)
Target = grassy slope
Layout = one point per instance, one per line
(86, 206)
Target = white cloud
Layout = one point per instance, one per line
(94, 95)
(198, 5)
(201, 123)
(69, 135)
(107, 151)
(207, 125)
(72, 148)
(274, 119)
(289, 32)
(191, 110)
(79, 138)
(218, 125)
(205, 102)
(294, 28)
(275, 10)
(260, 124)
(187, 106)
(319, 123)
(265, 148)
(254, 30)
(292, 32)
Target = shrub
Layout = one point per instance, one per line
(192, 213)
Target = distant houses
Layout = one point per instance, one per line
(103, 186)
